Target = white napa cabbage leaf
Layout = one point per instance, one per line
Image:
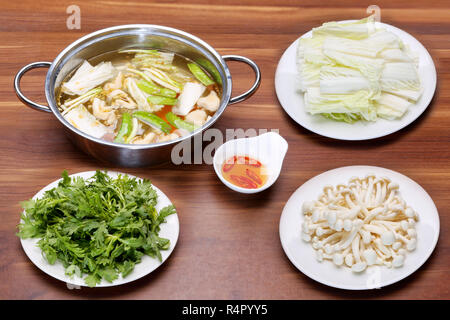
(84, 121)
(360, 29)
(340, 80)
(412, 95)
(370, 68)
(152, 58)
(395, 55)
(140, 96)
(398, 76)
(390, 106)
(352, 47)
(356, 71)
(383, 39)
(357, 103)
(309, 75)
(310, 50)
(88, 77)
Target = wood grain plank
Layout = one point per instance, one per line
(229, 245)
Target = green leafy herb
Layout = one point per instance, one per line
(101, 226)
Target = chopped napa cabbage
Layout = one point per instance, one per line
(339, 80)
(370, 68)
(357, 103)
(343, 117)
(356, 71)
(399, 75)
(84, 121)
(140, 96)
(161, 78)
(310, 51)
(152, 58)
(88, 77)
(390, 106)
(352, 47)
(137, 94)
(412, 95)
(181, 76)
(395, 55)
(70, 104)
(383, 39)
(309, 76)
(360, 29)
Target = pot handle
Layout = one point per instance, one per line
(20, 95)
(255, 86)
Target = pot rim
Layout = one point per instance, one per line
(91, 38)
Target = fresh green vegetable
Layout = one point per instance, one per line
(69, 105)
(390, 106)
(152, 58)
(200, 74)
(141, 74)
(86, 122)
(158, 100)
(153, 121)
(88, 77)
(153, 89)
(162, 78)
(358, 104)
(125, 128)
(351, 30)
(344, 117)
(208, 66)
(146, 51)
(138, 95)
(179, 123)
(399, 76)
(101, 226)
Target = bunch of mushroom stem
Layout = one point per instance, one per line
(360, 224)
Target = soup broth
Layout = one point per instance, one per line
(245, 172)
(138, 96)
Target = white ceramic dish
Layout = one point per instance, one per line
(268, 148)
(292, 101)
(302, 255)
(169, 230)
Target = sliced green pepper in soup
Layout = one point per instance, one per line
(200, 74)
(125, 128)
(179, 123)
(153, 121)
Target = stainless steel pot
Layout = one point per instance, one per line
(133, 36)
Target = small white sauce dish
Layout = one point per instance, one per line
(268, 148)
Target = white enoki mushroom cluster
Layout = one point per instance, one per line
(360, 224)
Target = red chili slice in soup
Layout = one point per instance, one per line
(229, 164)
(255, 177)
(227, 167)
(243, 182)
(248, 161)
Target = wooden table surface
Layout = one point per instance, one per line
(229, 245)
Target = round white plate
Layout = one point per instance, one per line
(302, 255)
(292, 100)
(169, 229)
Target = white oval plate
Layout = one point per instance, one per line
(169, 229)
(292, 100)
(302, 255)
